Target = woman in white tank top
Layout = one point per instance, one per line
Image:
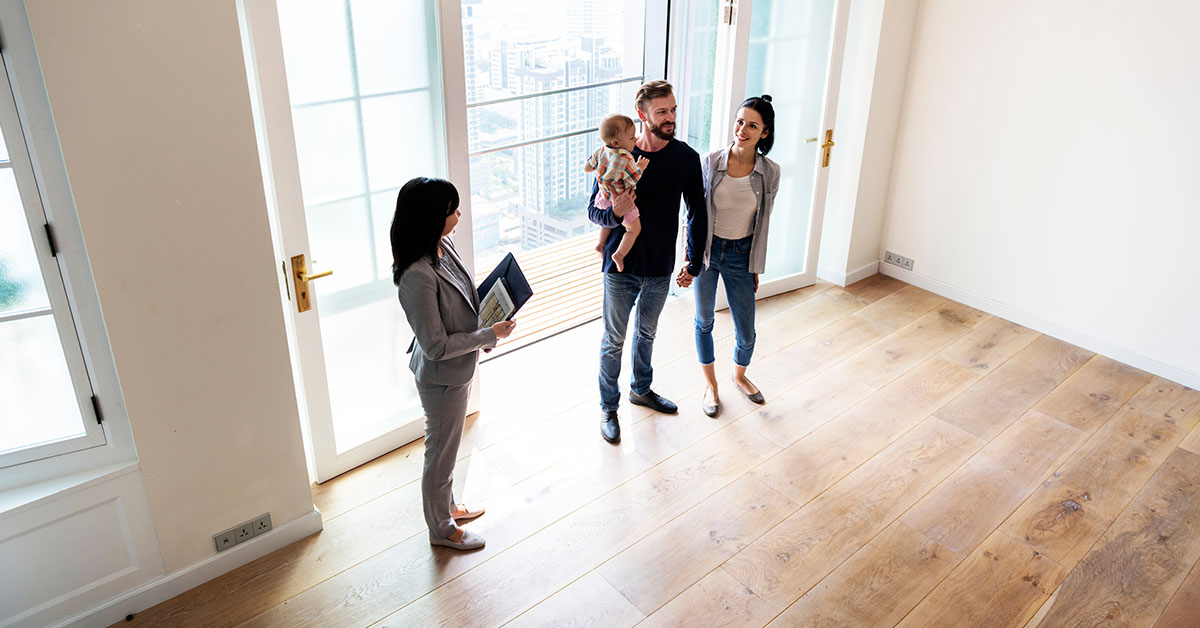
(740, 186)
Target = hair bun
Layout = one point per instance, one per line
(766, 97)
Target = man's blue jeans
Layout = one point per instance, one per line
(621, 292)
(731, 260)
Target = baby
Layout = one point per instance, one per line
(616, 171)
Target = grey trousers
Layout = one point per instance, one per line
(445, 412)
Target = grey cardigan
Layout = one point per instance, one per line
(765, 181)
(444, 320)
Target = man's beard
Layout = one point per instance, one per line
(659, 132)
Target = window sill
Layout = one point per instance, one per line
(15, 500)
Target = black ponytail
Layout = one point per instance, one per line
(762, 106)
(422, 207)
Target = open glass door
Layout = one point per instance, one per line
(350, 106)
(792, 50)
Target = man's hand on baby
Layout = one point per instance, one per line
(623, 203)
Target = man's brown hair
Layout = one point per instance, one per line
(612, 127)
(651, 90)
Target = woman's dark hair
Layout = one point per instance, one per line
(762, 106)
(422, 207)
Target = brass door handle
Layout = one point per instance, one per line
(304, 277)
(827, 147)
(301, 278)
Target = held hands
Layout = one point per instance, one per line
(504, 328)
(684, 279)
(623, 202)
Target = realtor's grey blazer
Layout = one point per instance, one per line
(445, 321)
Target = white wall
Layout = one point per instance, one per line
(153, 113)
(878, 36)
(1046, 168)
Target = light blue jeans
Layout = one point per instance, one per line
(621, 292)
(730, 259)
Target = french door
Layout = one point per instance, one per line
(349, 106)
(792, 50)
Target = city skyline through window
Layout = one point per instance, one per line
(539, 77)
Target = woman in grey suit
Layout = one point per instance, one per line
(442, 306)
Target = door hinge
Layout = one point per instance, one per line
(53, 242)
(96, 408)
(729, 13)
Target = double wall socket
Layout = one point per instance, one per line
(242, 532)
(899, 260)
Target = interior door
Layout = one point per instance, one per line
(349, 105)
(792, 50)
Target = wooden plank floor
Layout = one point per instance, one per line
(918, 463)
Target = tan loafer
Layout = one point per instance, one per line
(469, 514)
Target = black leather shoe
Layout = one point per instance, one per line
(610, 429)
(654, 401)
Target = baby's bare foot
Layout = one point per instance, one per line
(619, 260)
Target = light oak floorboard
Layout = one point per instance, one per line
(877, 586)
(1185, 606)
(717, 601)
(874, 287)
(1004, 395)
(818, 460)
(1002, 583)
(961, 512)
(789, 559)
(1139, 563)
(589, 602)
(1094, 393)
(652, 571)
(1070, 511)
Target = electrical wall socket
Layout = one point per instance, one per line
(262, 524)
(225, 540)
(898, 260)
(242, 532)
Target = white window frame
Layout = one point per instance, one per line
(42, 181)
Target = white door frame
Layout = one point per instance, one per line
(732, 48)
(281, 177)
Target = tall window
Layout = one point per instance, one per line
(45, 393)
(540, 75)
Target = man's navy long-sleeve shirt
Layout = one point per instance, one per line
(673, 173)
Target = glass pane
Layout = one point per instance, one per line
(21, 286)
(327, 146)
(532, 196)
(701, 65)
(339, 236)
(388, 62)
(316, 49)
(543, 116)
(789, 59)
(515, 47)
(39, 404)
(402, 136)
(384, 127)
(371, 389)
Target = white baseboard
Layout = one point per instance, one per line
(1021, 317)
(845, 279)
(173, 584)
